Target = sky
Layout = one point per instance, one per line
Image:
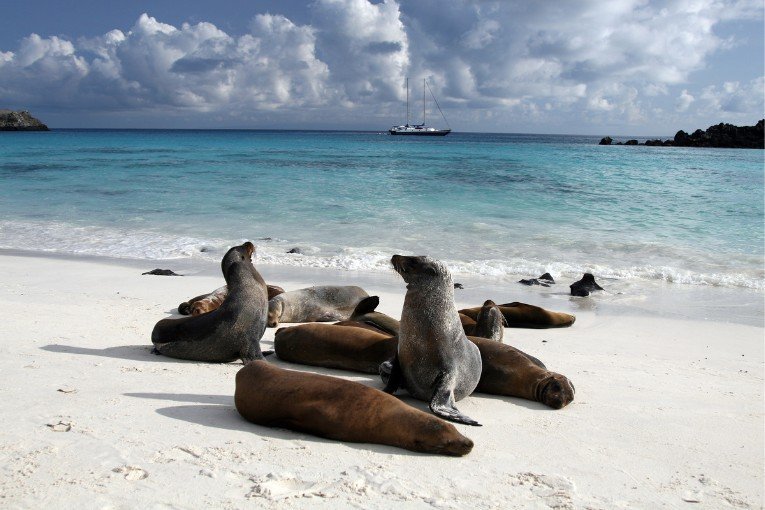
(622, 67)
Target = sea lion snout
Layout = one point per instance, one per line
(557, 391)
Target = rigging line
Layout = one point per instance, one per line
(439, 106)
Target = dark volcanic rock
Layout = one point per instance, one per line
(162, 272)
(20, 121)
(720, 136)
(458, 286)
(296, 251)
(547, 277)
(584, 286)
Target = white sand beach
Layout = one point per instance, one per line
(668, 411)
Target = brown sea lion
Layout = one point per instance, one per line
(329, 345)
(511, 372)
(230, 332)
(435, 361)
(365, 313)
(522, 315)
(338, 409)
(208, 302)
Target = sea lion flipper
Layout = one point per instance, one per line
(391, 374)
(366, 305)
(442, 403)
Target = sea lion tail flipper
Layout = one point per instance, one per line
(366, 305)
(391, 375)
(442, 403)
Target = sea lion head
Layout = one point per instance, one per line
(556, 391)
(420, 268)
(275, 310)
(236, 254)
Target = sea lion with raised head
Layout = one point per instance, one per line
(315, 304)
(490, 323)
(522, 315)
(583, 287)
(208, 302)
(435, 361)
(338, 409)
(231, 331)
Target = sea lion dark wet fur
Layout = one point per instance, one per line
(232, 331)
(435, 361)
(522, 315)
(338, 409)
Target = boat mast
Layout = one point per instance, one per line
(407, 100)
(423, 101)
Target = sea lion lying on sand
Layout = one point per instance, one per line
(315, 304)
(231, 331)
(522, 315)
(208, 302)
(338, 409)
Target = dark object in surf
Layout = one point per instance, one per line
(545, 280)
(296, 251)
(162, 272)
(458, 286)
(584, 286)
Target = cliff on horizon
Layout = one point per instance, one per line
(20, 121)
(723, 136)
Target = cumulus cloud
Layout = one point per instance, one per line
(602, 62)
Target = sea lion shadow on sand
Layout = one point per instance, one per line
(132, 352)
(226, 417)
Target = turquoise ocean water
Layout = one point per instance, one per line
(492, 205)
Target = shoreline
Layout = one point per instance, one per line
(639, 298)
(667, 411)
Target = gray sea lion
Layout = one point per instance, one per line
(522, 315)
(162, 272)
(365, 313)
(360, 349)
(315, 304)
(490, 323)
(231, 331)
(435, 361)
(339, 409)
(208, 302)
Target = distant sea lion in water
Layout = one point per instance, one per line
(338, 409)
(522, 315)
(162, 272)
(208, 302)
(231, 331)
(584, 286)
(315, 304)
(545, 280)
(435, 361)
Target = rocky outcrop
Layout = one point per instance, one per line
(20, 121)
(720, 136)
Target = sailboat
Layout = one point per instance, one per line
(420, 129)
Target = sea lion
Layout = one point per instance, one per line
(231, 331)
(365, 313)
(584, 286)
(522, 315)
(435, 361)
(315, 304)
(339, 409)
(208, 302)
(162, 272)
(334, 346)
(489, 324)
(512, 372)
